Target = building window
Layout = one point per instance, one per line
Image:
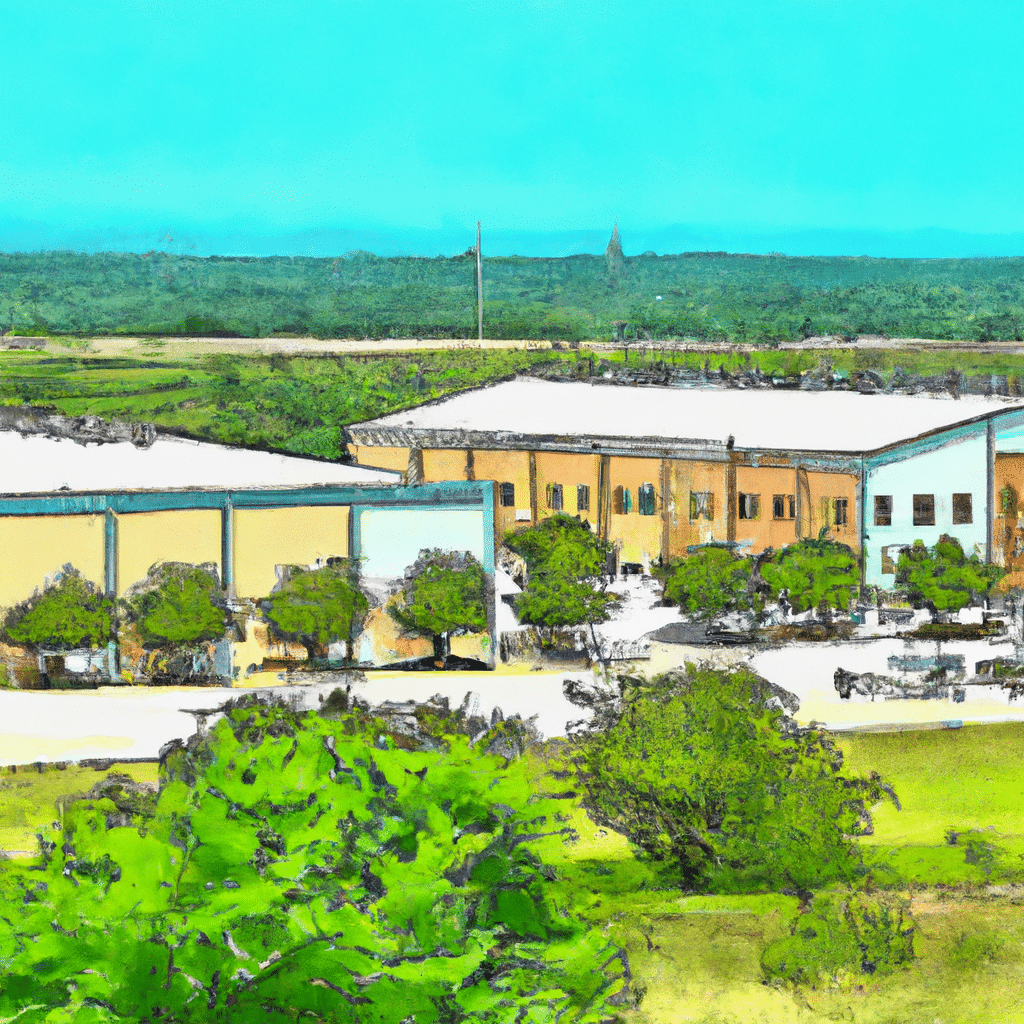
(883, 510)
(582, 498)
(840, 507)
(924, 509)
(1008, 502)
(888, 565)
(702, 505)
(508, 495)
(749, 506)
(555, 497)
(963, 509)
(783, 506)
(645, 500)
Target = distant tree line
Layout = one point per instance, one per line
(711, 296)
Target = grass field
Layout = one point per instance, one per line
(29, 795)
(698, 958)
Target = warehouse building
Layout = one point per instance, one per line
(112, 508)
(658, 471)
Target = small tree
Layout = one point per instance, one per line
(71, 613)
(711, 582)
(444, 593)
(177, 605)
(703, 770)
(319, 607)
(563, 558)
(813, 574)
(942, 578)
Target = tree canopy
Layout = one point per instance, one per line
(298, 868)
(704, 770)
(812, 574)
(563, 558)
(71, 613)
(444, 593)
(710, 582)
(318, 606)
(942, 577)
(177, 604)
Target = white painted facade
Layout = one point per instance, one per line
(955, 463)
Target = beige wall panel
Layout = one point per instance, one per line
(766, 531)
(145, 538)
(830, 486)
(32, 548)
(380, 458)
(265, 538)
(444, 464)
(505, 467)
(637, 538)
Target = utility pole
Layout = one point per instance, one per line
(479, 287)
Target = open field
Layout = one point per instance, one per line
(698, 958)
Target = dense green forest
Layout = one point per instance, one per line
(714, 296)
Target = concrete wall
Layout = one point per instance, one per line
(36, 547)
(180, 535)
(266, 538)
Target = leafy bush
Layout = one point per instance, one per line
(813, 574)
(710, 582)
(177, 605)
(704, 771)
(842, 936)
(943, 578)
(297, 868)
(71, 613)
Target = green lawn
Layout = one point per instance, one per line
(28, 796)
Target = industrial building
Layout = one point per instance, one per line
(112, 508)
(660, 470)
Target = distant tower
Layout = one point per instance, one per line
(613, 254)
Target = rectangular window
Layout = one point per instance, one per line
(749, 506)
(840, 507)
(582, 498)
(888, 565)
(963, 509)
(783, 506)
(702, 505)
(1008, 502)
(645, 500)
(508, 495)
(883, 510)
(924, 509)
(618, 502)
(555, 497)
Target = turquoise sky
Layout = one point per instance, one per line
(228, 126)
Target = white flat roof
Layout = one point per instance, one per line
(781, 420)
(39, 463)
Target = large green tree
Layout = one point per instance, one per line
(817, 573)
(445, 592)
(703, 770)
(70, 613)
(303, 869)
(942, 577)
(710, 582)
(319, 606)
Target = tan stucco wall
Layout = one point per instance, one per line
(380, 458)
(698, 477)
(145, 538)
(505, 467)
(1008, 527)
(265, 538)
(568, 469)
(33, 548)
(445, 464)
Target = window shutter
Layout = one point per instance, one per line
(627, 501)
(618, 502)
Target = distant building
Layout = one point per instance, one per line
(658, 471)
(114, 508)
